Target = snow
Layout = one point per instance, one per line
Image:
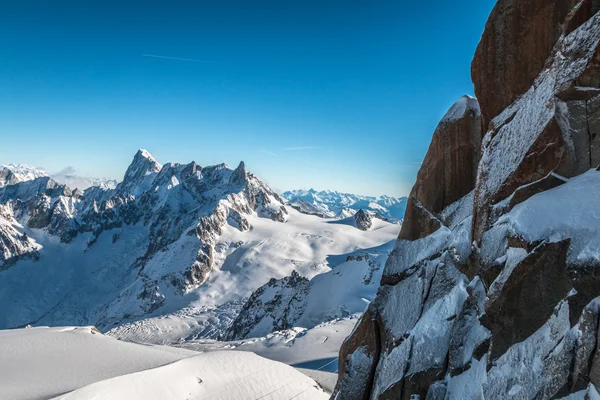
(224, 375)
(407, 253)
(59, 360)
(24, 172)
(460, 108)
(546, 216)
(458, 211)
(313, 351)
(72, 363)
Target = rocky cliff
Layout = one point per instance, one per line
(492, 289)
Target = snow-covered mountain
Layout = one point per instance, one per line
(332, 204)
(15, 173)
(186, 242)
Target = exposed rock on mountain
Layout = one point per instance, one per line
(493, 292)
(330, 204)
(294, 301)
(363, 220)
(448, 171)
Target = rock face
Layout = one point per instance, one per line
(518, 39)
(492, 292)
(363, 220)
(448, 171)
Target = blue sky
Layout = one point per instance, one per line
(338, 95)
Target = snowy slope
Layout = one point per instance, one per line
(215, 376)
(332, 204)
(79, 363)
(296, 302)
(244, 261)
(313, 351)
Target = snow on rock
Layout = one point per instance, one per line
(545, 217)
(541, 127)
(460, 108)
(493, 294)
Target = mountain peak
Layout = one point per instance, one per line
(461, 107)
(239, 176)
(140, 173)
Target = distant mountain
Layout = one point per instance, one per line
(69, 177)
(332, 204)
(15, 173)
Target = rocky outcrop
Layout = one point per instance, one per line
(279, 304)
(448, 171)
(551, 128)
(496, 295)
(518, 39)
(363, 220)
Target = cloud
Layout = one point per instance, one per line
(302, 148)
(179, 59)
(269, 152)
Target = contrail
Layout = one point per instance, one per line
(179, 59)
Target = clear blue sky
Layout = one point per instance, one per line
(338, 95)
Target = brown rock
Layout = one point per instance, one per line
(550, 128)
(418, 221)
(356, 377)
(520, 306)
(550, 181)
(449, 170)
(581, 14)
(518, 39)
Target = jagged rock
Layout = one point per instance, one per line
(363, 220)
(279, 302)
(448, 171)
(523, 297)
(538, 134)
(526, 326)
(518, 39)
(580, 14)
(358, 359)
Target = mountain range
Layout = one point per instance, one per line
(182, 240)
(332, 204)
